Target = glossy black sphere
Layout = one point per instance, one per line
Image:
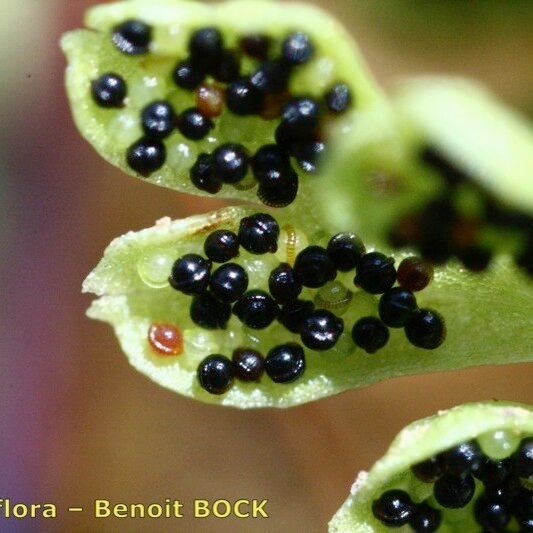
(256, 309)
(189, 74)
(201, 175)
(429, 470)
(249, 364)
(230, 162)
(109, 90)
(492, 514)
(522, 507)
(396, 307)
(221, 245)
(193, 125)
(283, 285)
(205, 46)
(208, 312)
(375, 273)
(190, 274)
(321, 330)
(523, 459)
(425, 518)
(308, 154)
(271, 77)
(300, 117)
(256, 45)
(393, 508)
(454, 492)
(242, 98)
(492, 473)
(269, 157)
(158, 120)
(296, 49)
(345, 250)
(462, 459)
(215, 374)
(293, 314)
(507, 490)
(278, 188)
(132, 37)
(285, 138)
(525, 523)
(146, 156)
(227, 68)
(339, 98)
(370, 334)
(313, 267)
(285, 363)
(258, 234)
(426, 329)
(228, 282)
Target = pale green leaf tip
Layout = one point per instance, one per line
(130, 307)
(417, 442)
(90, 53)
(479, 133)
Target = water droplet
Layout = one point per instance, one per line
(499, 444)
(180, 156)
(154, 268)
(145, 89)
(125, 129)
(198, 344)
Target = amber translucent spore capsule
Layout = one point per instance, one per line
(165, 339)
(414, 273)
(210, 100)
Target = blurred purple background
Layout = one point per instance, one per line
(78, 423)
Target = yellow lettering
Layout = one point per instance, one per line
(101, 508)
(155, 510)
(201, 508)
(237, 506)
(32, 510)
(120, 510)
(225, 504)
(20, 510)
(49, 510)
(137, 507)
(257, 508)
(177, 505)
(34, 507)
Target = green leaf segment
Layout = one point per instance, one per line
(91, 53)
(371, 176)
(418, 442)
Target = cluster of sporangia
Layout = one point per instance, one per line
(219, 293)
(214, 73)
(439, 231)
(505, 495)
